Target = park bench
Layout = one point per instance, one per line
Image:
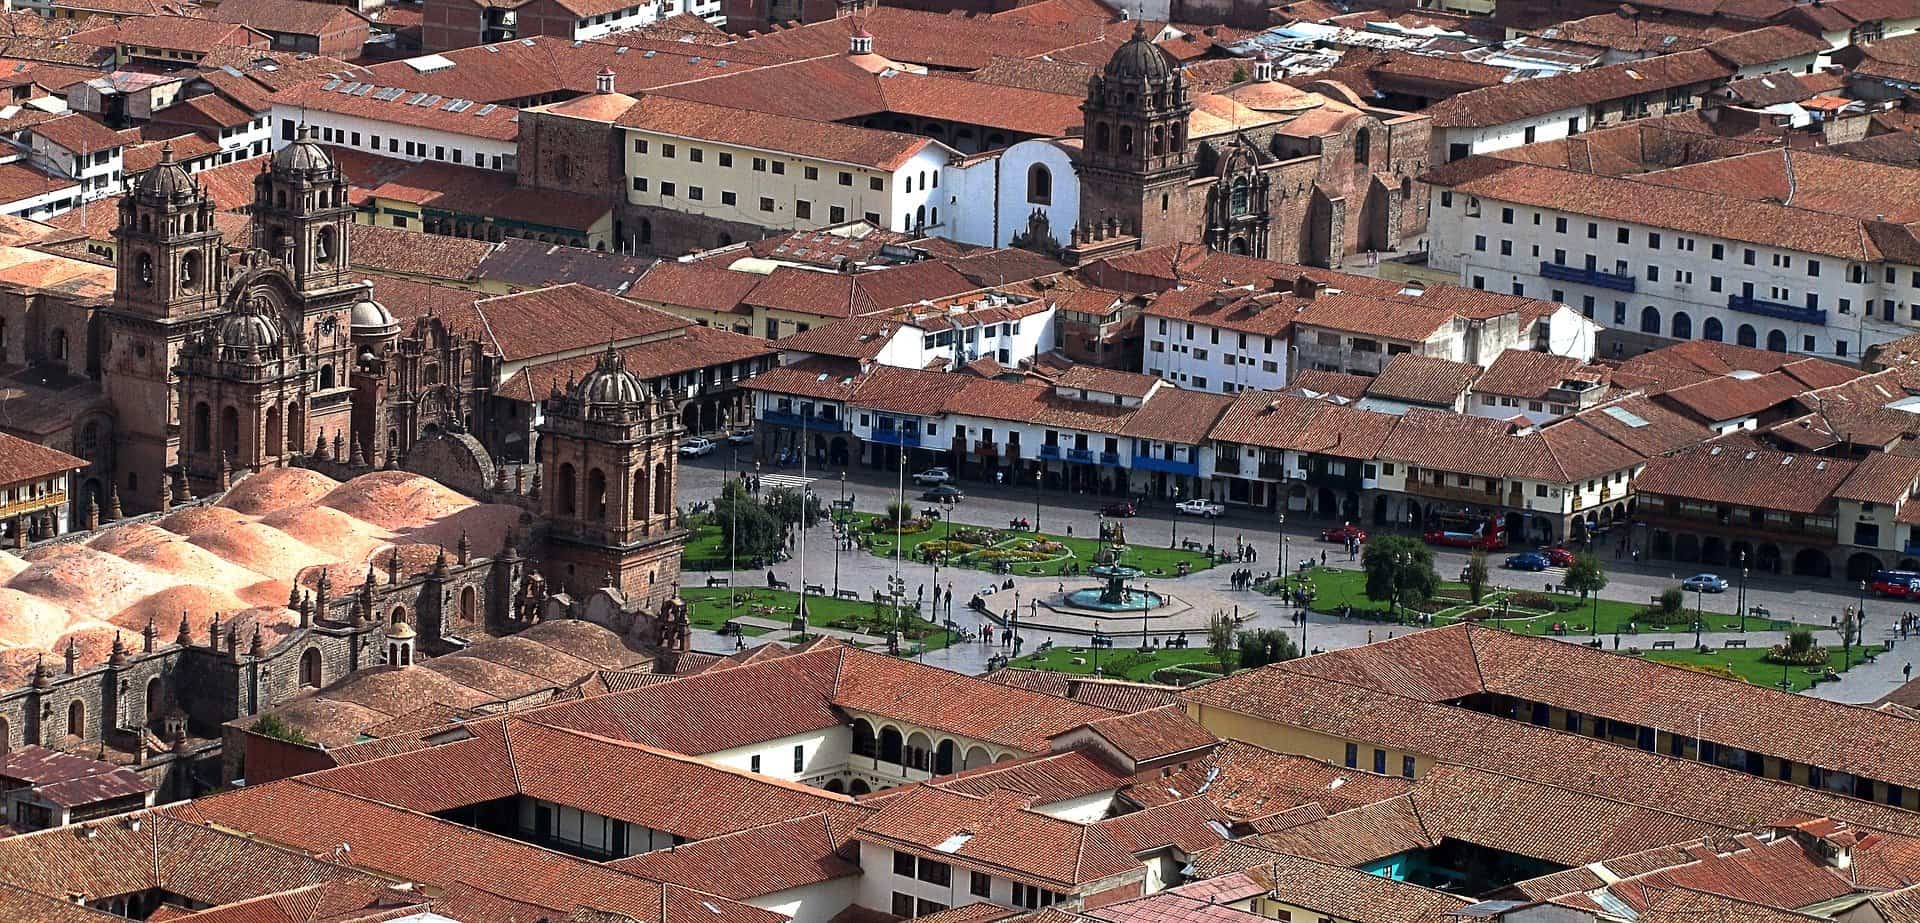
(1190, 545)
(1736, 642)
(778, 584)
(719, 581)
(1663, 645)
(816, 589)
(847, 594)
(1595, 643)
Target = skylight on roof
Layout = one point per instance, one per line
(429, 63)
(953, 843)
(1626, 416)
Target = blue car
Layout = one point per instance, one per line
(1531, 560)
(1705, 583)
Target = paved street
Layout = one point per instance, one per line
(1205, 592)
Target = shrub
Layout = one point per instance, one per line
(1536, 601)
(277, 728)
(1811, 656)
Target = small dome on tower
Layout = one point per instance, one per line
(401, 630)
(248, 331)
(610, 383)
(370, 316)
(302, 156)
(1139, 59)
(166, 179)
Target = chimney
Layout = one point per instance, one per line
(862, 42)
(603, 81)
(1262, 68)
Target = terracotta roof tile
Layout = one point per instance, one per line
(829, 141)
(1423, 380)
(21, 460)
(1522, 99)
(758, 861)
(391, 250)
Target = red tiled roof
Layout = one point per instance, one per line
(758, 861)
(21, 460)
(1423, 380)
(79, 134)
(692, 349)
(1522, 99)
(830, 141)
(396, 105)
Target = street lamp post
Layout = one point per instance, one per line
(1173, 518)
(1284, 565)
(1038, 471)
(837, 541)
(1096, 647)
(1847, 628)
(1743, 591)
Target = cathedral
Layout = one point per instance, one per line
(295, 492)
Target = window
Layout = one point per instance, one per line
(835, 214)
(799, 758)
(1620, 235)
(802, 209)
(903, 864)
(1813, 268)
(1406, 766)
(1039, 185)
(981, 884)
(902, 905)
(1713, 283)
(1379, 761)
(811, 173)
(696, 193)
(639, 184)
(728, 198)
(846, 179)
(1446, 200)
(1506, 216)
(873, 183)
(1480, 243)
(1807, 343)
(666, 189)
(754, 764)
(759, 164)
(1653, 240)
(726, 159)
(766, 203)
(1653, 273)
(1353, 756)
(696, 155)
(935, 873)
(1560, 225)
(1506, 248)
(1748, 256)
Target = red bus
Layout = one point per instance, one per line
(1896, 583)
(1461, 530)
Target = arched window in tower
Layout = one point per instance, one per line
(565, 490)
(323, 246)
(143, 268)
(230, 430)
(190, 270)
(641, 507)
(1039, 185)
(1102, 137)
(77, 718)
(146, 224)
(920, 217)
(202, 427)
(662, 489)
(597, 495)
(1241, 203)
(1159, 140)
(58, 344)
(1126, 139)
(273, 430)
(326, 377)
(1362, 146)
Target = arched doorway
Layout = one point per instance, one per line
(1650, 319)
(1515, 526)
(77, 718)
(1379, 511)
(1812, 562)
(566, 487)
(155, 698)
(836, 786)
(1777, 340)
(311, 669)
(1710, 330)
(943, 757)
(890, 744)
(1686, 547)
(469, 604)
(1745, 336)
(858, 788)
(864, 742)
(919, 752)
(1682, 326)
(976, 756)
(1860, 566)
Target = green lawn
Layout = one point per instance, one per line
(1752, 666)
(710, 609)
(706, 549)
(1152, 562)
(1517, 610)
(1120, 661)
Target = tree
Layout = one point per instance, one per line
(271, 725)
(1585, 575)
(1672, 600)
(1800, 642)
(1264, 646)
(788, 508)
(1399, 570)
(1476, 575)
(746, 528)
(1220, 638)
(898, 511)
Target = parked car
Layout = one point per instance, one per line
(933, 476)
(1705, 583)
(695, 447)
(1558, 556)
(1200, 507)
(1527, 560)
(945, 492)
(1122, 509)
(1344, 534)
(743, 436)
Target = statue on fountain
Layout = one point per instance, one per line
(1115, 592)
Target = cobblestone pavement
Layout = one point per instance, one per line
(1812, 602)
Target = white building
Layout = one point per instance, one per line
(1689, 252)
(399, 123)
(1019, 192)
(77, 147)
(1010, 330)
(1219, 339)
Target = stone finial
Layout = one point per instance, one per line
(113, 504)
(93, 514)
(393, 566)
(440, 564)
(320, 447)
(534, 491)
(233, 640)
(186, 487)
(223, 475)
(73, 655)
(149, 635)
(520, 479)
(393, 458)
(500, 478)
(185, 637)
(166, 493)
(20, 535)
(355, 456)
(258, 645)
(508, 552)
(118, 657)
(293, 596)
(339, 446)
(213, 632)
(42, 677)
(306, 611)
(465, 548)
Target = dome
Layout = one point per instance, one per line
(302, 156)
(1139, 59)
(610, 382)
(248, 331)
(166, 179)
(401, 631)
(370, 316)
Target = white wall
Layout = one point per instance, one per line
(1686, 270)
(1212, 358)
(489, 153)
(1486, 140)
(824, 753)
(916, 185)
(814, 903)
(632, 17)
(987, 198)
